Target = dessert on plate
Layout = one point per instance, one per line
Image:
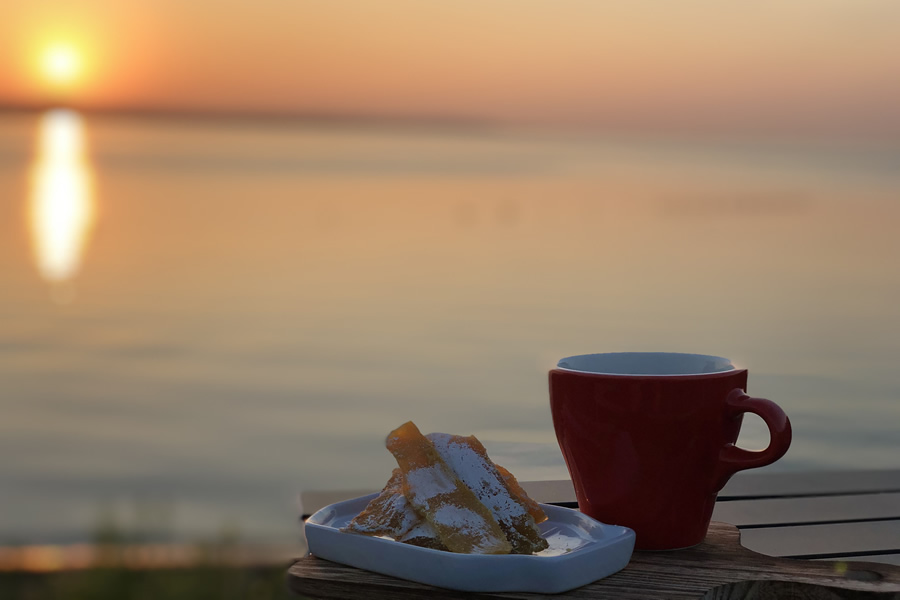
(447, 494)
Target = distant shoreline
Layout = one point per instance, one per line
(257, 117)
(466, 126)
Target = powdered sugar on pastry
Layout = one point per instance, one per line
(466, 524)
(534, 509)
(468, 459)
(448, 495)
(430, 481)
(423, 535)
(462, 522)
(390, 514)
(387, 514)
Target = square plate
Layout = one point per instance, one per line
(581, 550)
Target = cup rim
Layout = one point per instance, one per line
(730, 369)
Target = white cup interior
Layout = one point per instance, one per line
(646, 363)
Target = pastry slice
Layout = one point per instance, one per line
(390, 514)
(387, 514)
(468, 459)
(424, 535)
(462, 523)
(534, 509)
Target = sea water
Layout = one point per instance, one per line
(252, 306)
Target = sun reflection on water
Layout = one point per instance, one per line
(62, 206)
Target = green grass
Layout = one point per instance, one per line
(201, 583)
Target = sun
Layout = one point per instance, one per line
(61, 64)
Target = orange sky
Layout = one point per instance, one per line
(819, 66)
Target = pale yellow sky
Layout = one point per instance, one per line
(815, 66)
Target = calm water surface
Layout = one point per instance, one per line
(232, 313)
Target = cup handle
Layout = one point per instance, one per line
(733, 459)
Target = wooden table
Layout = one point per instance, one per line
(845, 526)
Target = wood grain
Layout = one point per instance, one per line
(718, 569)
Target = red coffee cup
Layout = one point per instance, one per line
(649, 438)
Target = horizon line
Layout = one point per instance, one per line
(257, 115)
(454, 123)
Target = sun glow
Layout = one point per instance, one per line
(61, 64)
(62, 203)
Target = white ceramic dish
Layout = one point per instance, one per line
(581, 550)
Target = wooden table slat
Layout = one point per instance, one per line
(760, 484)
(886, 559)
(814, 541)
(820, 509)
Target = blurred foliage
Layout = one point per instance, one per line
(202, 583)
(211, 577)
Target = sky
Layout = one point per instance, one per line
(811, 67)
